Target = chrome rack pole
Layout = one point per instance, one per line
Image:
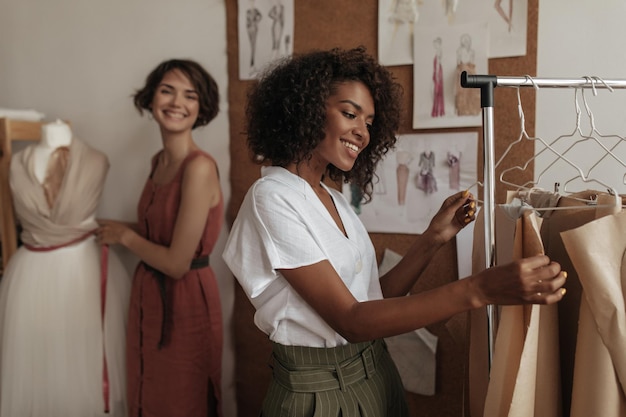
(487, 83)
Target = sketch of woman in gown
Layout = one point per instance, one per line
(425, 180)
(277, 14)
(253, 17)
(403, 158)
(507, 17)
(403, 12)
(466, 100)
(438, 108)
(450, 9)
(454, 164)
(62, 339)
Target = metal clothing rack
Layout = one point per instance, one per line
(487, 83)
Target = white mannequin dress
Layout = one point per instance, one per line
(52, 331)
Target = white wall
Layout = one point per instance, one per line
(578, 38)
(80, 60)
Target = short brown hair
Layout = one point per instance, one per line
(203, 82)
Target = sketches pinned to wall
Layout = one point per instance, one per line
(395, 31)
(415, 178)
(265, 33)
(439, 100)
(506, 19)
(507, 27)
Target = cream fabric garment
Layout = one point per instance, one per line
(524, 377)
(478, 352)
(52, 335)
(597, 251)
(573, 212)
(532, 369)
(76, 201)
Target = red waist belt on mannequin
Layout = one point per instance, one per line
(104, 257)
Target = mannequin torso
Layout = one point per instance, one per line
(53, 136)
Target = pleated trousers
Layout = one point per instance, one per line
(354, 380)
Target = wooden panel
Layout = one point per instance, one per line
(11, 130)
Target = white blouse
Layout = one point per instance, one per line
(282, 224)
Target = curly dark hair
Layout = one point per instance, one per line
(286, 110)
(202, 81)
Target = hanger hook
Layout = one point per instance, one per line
(608, 87)
(532, 81)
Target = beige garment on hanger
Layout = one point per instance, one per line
(533, 343)
(478, 353)
(524, 377)
(578, 213)
(597, 250)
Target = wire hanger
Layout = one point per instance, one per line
(581, 138)
(546, 146)
(531, 186)
(597, 136)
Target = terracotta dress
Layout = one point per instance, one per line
(174, 359)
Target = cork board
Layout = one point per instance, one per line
(325, 24)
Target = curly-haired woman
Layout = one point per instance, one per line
(306, 261)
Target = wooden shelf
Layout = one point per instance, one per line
(11, 130)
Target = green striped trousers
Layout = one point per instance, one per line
(354, 380)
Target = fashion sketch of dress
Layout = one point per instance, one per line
(454, 164)
(507, 17)
(253, 17)
(438, 109)
(466, 100)
(403, 12)
(425, 180)
(277, 14)
(60, 354)
(403, 158)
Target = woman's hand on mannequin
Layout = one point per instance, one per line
(533, 280)
(112, 232)
(456, 212)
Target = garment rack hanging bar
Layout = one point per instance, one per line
(487, 83)
(476, 81)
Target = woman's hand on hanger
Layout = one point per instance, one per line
(456, 212)
(533, 280)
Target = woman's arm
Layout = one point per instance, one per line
(531, 280)
(200, 192)
(456, 212)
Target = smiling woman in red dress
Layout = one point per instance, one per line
(174, 341)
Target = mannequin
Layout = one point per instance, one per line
(78, 311)
(53, 135)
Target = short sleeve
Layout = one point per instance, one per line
(271, 232)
